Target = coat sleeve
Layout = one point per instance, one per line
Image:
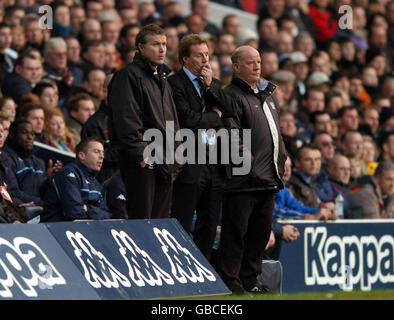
(126, 114)
(14, 189)
(188, 117)
(219, 98)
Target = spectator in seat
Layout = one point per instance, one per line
(348, 119)
(8, 107)
(93, 55)
(27, 72)
(80, 108)
(377, 196)
(35, 114)
(48, 93)
(338, 170)
(387, 146)
(269, 62)
(57, 134)
(304, 180)
(75, 192)
(326, 145)
(28, 169)
(33, 33)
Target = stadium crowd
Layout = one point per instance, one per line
(334, 89)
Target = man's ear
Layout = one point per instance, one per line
(18, 69)
(140, 47)
(81, 156)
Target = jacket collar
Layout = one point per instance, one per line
(86, 169)
(144, 64)
(263, 85)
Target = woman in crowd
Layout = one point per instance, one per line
(57, 134)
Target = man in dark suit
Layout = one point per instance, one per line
(198, 186)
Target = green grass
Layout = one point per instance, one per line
(330, 295)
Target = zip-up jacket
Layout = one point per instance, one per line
(74, 186)
(29, 171)
(267, 167)
(140, 99)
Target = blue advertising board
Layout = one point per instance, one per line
(342, 255)
(138, 258)
(34, 266)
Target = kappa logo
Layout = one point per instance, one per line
(24, 266)
(347, 261)
(272, 105)
(142, 268)
(71, 174)
(121, 197)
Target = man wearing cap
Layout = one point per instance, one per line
(318, 80)
(300, 69)
(285, 80)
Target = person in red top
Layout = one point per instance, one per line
(323, 20)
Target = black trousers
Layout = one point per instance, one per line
(204, 197)
(147, 195)
(246, 228)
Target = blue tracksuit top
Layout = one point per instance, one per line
(286, 206)
(29, 171)
(70, 189)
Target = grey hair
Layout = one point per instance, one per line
(237, 54)
(54, 43)
(31, 17)
(384, 166)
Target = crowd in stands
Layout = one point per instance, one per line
(335, 89)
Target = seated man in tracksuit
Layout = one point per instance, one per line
(74, 192)
(29, 171)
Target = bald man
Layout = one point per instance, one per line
(249, 201)
(338, 170)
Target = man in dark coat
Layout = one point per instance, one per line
(140, 98)
(198, 186)
(249, 202)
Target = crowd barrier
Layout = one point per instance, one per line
(342, 255)
(113, 259)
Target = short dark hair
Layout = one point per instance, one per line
(16, 124)
(145, 32)
(384, 166)
(24, 111)
(343, 110)
(73, 103)
(84, 143)
(315, 114)
(125, 29)
(303, 147)
(41, 86)
(90, 43)
(185, 44)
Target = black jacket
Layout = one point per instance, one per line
(140, 100)
(191, 115)
(15, 86)
(250, 115)
(97, 125)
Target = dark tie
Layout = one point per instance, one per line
(201, 86)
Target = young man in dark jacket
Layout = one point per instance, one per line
(74, 192)
(29, 170)
(140, 98)
(249, 202)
